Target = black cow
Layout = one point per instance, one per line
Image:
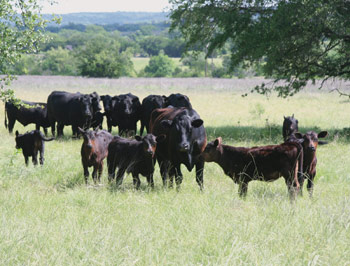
(150, 103)
(178, 100)
(133, 156)
(265, 163)
(30, 143)
(108, 105)
(36, 114)
(67, 108)
(93, 150)
(126, 112)
(290, 126)
(97, 120)
(309, 141)
(185, 140)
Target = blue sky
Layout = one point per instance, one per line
(72, 6)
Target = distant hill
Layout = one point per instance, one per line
(104, 18)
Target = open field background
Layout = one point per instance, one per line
(49, 216)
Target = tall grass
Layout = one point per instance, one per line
(50, 217)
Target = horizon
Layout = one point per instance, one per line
(62, 7)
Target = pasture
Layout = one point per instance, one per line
(50, 217)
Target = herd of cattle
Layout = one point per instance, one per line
(175, 136)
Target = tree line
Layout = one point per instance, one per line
(107, 51)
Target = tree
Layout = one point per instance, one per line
(160, 66)
(21, 31)
(100, 57)
(295, 41)
(59, 62)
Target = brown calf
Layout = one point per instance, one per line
(135, 156)
(93, 150)
(265, 163)
(309, 141)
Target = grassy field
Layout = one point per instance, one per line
(50, 217)
(141, 62)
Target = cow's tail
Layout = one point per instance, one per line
(5, 116)
(47, 139)
(44, 138)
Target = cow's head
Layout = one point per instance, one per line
(178, 100)
(150, 143)
(95, 99)
(19, 140)
(85, 103)
(126, 104)
(108, 103)
(181, 130)
(290, 126)
(310, 140)
(89, 138)
(212, 151)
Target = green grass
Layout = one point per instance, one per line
(50, 217)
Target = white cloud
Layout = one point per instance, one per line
(72, 6)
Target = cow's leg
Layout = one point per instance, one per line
(42, 151)
(136, 181)
(100, 170)
(199, 174)
(120, 176)
(111, 169)
(150, 180)
(26, 160)
(289, 179)
(75, 131)
(35, 158)
(243, 188)
(163, 165)
(94, 174)
(310, 184)
(11, 124)
(45, 131)
(60, 129)
(142, 128)
(86, 172)
(37, 126)
(109, 125)
(52, 125)
(171, 173)
(178, 177)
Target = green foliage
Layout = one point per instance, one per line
(160, 66)
(59, 62)
(102, 58)
(21, 29)
(297, 40)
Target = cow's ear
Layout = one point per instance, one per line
(138, 138)
(197, 123)
(160, 138)
(298, 135)
(218, 142)
(292, 115)
(102, 97)
(82, 131)
(284, 117)
(322, 134)
(297, 121)
(166, 123)
(17, 133)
